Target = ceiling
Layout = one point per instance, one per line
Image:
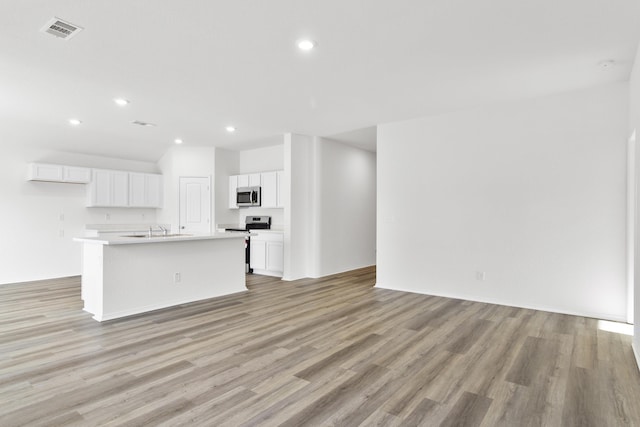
(192, 68)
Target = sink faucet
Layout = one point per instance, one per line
(150, 231)
(164, 230)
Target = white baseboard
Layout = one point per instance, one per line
(267, 273)
(636, 353)
(595, 315)
(152, 307)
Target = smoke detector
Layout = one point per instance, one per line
(60, 28)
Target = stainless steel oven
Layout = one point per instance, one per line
(251, 223)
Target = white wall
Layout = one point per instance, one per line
(227, 163)
(299, 172)
(189, 162)
(262, 159)
(330, 223)
(532, 193)
(346, 204)
(31, 247)
(634, 129)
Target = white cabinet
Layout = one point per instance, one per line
(258, 254)
(267, 253)
(269, 182)
(254, 180)
(76, 174)
(145, 190)
(108, 188)
(153, 190)
(58, 173)
(275, 257)
(281, 196)
(243, 181)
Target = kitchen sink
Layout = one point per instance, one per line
(159, 235)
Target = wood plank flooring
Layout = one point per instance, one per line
(332, 351)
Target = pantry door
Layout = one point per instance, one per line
(195, 204)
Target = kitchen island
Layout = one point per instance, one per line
(126, 275)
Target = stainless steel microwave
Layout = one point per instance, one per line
(248, 196)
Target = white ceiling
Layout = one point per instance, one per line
(194, 67)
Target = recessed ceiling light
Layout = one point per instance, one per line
(230, 129)
(306, 44)
(121, 101)
(177, 141)
(74, 122)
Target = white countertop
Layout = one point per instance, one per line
(258, 231)
(273, 229)
(115, 228)
(157, 238)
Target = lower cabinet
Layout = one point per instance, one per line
(267, 253)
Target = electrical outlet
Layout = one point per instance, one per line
(177, 277)
(61, 217)
(61, 233)
(480, 275)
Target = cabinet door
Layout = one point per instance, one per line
(42, 172)
(233, 186)
(101, 188)
(269, 184)
(243, 180)
(258, 254)
(153, 190)
(120, 188)
(76, 174)
(282, 198)
(137, 186)
(254, 180)
(275, 257)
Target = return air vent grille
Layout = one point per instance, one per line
(61, 29)
(139, 123)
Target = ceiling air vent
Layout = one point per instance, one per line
(61, 29)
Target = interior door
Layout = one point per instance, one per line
(195, 204)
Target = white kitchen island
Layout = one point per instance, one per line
(122, 276)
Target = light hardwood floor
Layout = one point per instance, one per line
(333, 351)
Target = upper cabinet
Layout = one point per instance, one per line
(255, 180)
(269, 182)
(282, 198)
(242, 181)
(58, 173)
(145, 190)
(108, 188)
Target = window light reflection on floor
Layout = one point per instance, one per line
(617, 327)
